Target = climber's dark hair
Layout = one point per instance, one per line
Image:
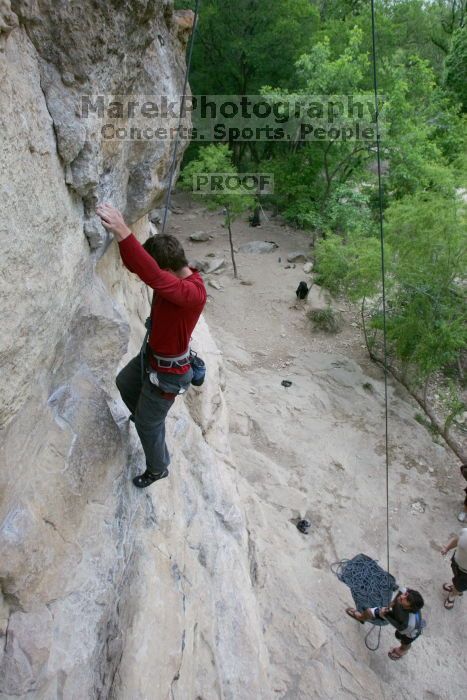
(415, 599)
(167, 251)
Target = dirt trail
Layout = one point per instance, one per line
(317, 450)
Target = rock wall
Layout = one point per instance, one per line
(199, 588)
(105, 591)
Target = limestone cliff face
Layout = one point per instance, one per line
(198, 588)
(56, 164)
(94, 603)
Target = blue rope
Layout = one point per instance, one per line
(370, 586)
(368, 582)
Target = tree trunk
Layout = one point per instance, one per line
(232, 253)
(420, 398)
(362, 312)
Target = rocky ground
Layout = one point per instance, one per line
(316, 449)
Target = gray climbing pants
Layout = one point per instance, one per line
(149, 408)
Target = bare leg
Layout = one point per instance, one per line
(452, 595)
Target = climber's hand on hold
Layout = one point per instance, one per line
(113, 221)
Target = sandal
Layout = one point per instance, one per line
(148, 478)
(351, 612)
(449, 588)
(448, 603)
(395, 654)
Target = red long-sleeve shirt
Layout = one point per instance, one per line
(176, 306)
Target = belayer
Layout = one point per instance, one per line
(178, 300)
(403, 613)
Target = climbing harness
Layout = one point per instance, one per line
(189, 357)
(169, 362)
(182, 106)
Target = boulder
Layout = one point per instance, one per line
(257, 247)
(200, 265)
(215, 264)
(200, 236)
(215, 284)
(296, 256)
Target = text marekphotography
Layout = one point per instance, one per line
(229, 118)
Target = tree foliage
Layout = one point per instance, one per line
(426, 234)
(245, 44)
(323, 164)
(217, 159)
(456, 67)
(295, 48)
(426, 261)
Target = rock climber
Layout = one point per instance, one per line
(401, 614)
(458, 566)
(178, 300)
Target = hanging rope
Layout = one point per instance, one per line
(383, 279)
(172, 167)
(182, 107)
(370, 585)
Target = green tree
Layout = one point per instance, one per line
(426, 233)
(245, 44)
(420, 126)
(218, 159)
(352, 267)
(426, 256)
(325, 164)
(455, 76)
(447, 17)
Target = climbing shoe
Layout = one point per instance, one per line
(148, 478)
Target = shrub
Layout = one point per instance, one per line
(326, 320)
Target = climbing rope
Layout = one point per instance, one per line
(172, 167)
(367, 581)
(383, 277)
(370, 585)
(182, 107)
